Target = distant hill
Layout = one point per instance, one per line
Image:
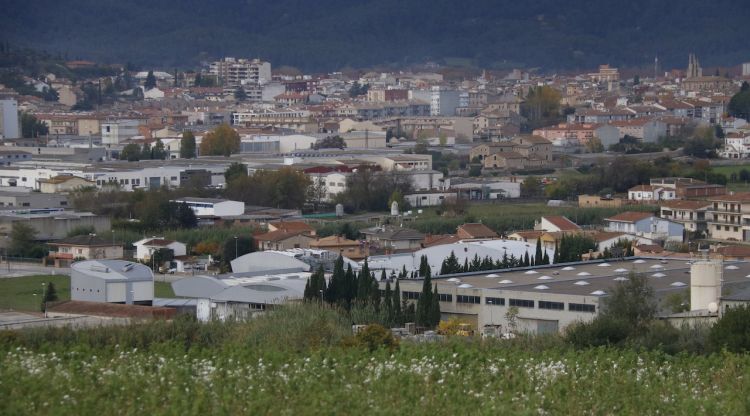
(331, 34)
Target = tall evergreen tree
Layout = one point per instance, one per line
(187, 145)
(333, 293)
(545, 259)
(538, 253)
(388, 304)
(424, 303)
(450, 265)
(150, 81)
(435, 308)
(556, 255)
(350, 286)
(363, 283)
(398, 312)
(424, 267)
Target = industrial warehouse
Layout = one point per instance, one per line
(549, 298)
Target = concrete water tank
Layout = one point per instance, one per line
(394, 208)
(705, 283)
(339, 210)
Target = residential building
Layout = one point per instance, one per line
(9, 128)
(115, 132)
(691, 214)
(10, 157)
(83, 247)
(281, 239)
(648, 193)
(475, 231)
(145, 248)
(234, 72)
(646, 225)
(51, 223)
(444, 102)
(341, 245)
(648, 130)
(556, 223)
(728, 217)
(392, 239)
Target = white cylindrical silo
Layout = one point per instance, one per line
(705, 283)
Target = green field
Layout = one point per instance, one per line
(728, 170)
(24, 293)
(507, 217)
(297, 360)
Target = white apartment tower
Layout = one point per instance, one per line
(236, 72)
(9, 119)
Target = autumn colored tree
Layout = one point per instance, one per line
(222, 141)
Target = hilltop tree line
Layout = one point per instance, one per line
(496, 34)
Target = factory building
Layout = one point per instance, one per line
(550, 298)
(113, 281)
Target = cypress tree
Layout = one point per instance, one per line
(398, 313)
(466, 264)
(556, 255)
(350, 286)
(363, 283)
(388, 304)
(526, 261)
(424, 303)
(545, 259)
(435, 308)
(383, 276)
(374, 292)
(333, 294)
(538, 253)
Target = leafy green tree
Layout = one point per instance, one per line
(158, 152)
(451, 265)
(186, 216)
(283, 188)
(240, 94)
(235, 170)
(161, 256)
(23, 242)
(739, 104)
(50, 293)
(49, 94)
(31, 127)
(531, 187)
(222, 141)
(146, 151)
(131, 152)
(187, 145)
(732, 331)
(150, 81)
(330, 142)
(541, 107)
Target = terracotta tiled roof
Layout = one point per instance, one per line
(279, 235)
(684, 204)
(630, 216)
(736, 197)
(476, 230)
(436, 240)
(298, 226)
(563, 223)
(333, 241)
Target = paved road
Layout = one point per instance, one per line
(29, 269)
(19, 320)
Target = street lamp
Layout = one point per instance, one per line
(321, 296)
(235, 246)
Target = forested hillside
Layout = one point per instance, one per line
(331, 34)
